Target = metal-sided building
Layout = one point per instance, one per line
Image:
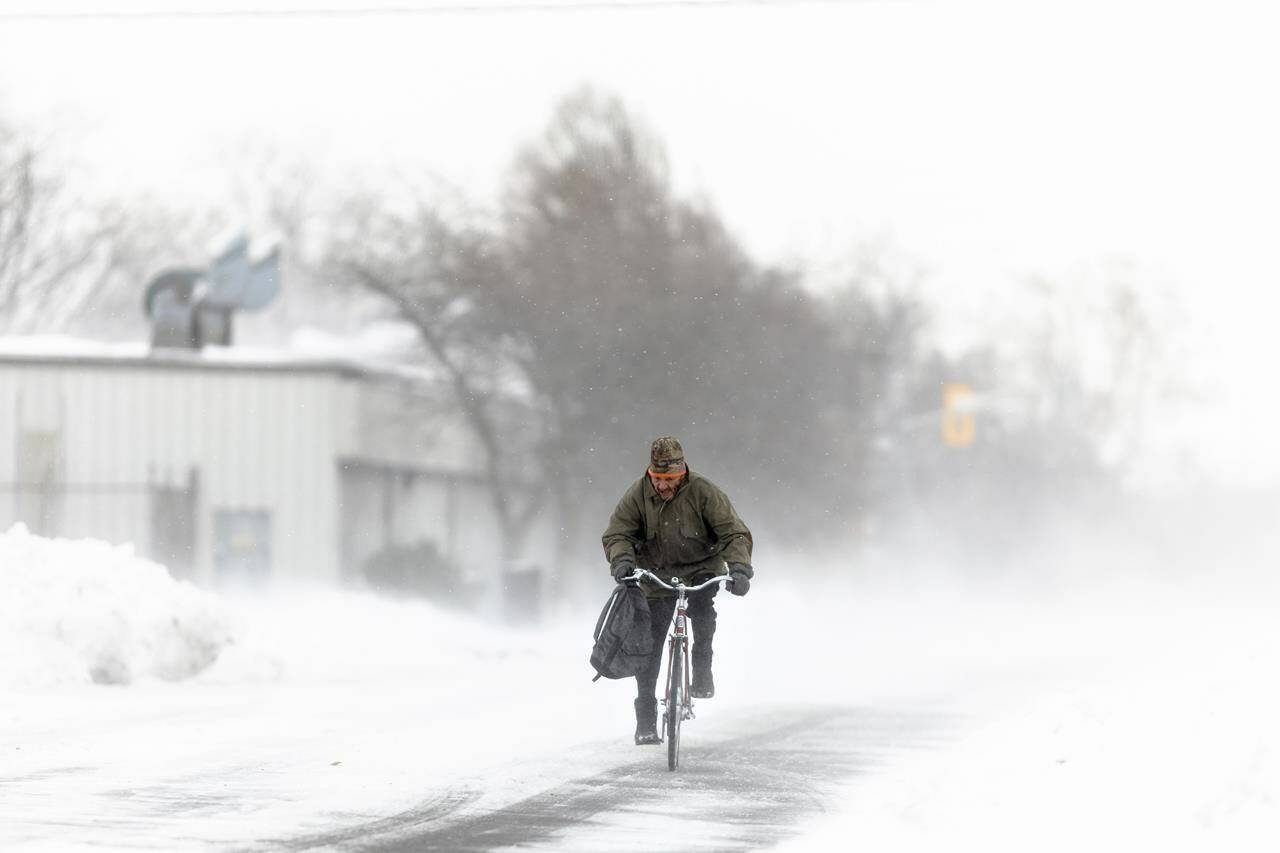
(229, 464)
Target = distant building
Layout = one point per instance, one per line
(233, 464)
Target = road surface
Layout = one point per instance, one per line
(745, 792)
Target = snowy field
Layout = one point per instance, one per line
(1148, 721)
(140, 713)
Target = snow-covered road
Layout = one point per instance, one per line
(1144, 714)
(744, 788)
(307, 768)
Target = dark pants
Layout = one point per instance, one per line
(702, 623)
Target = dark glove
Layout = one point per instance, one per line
(622, 567)
(740, 578)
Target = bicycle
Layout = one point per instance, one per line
(678, 706)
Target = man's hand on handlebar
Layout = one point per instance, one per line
(638, 574)
(740, 578)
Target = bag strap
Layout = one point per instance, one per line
(604, 664)
(608, 608)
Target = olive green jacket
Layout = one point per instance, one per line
(696, 532)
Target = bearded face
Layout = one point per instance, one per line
(667, 482)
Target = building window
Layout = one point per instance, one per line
(242, 544)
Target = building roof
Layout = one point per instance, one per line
(81, 352)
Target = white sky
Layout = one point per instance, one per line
(989, 139)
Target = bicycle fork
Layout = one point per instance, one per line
(679, 645)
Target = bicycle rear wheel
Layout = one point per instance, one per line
(675, 704)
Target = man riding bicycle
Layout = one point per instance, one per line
(676, 523)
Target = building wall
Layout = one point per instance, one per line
(342, 463)
(410, 474)
(259, 441)
(386, 507)
(390, 507)
(393, 423)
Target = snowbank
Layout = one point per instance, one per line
(76, 612)
(86, 611)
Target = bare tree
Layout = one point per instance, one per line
(1093, 366)
(628, 314)
(53, 247)
(443, 282)
(880, 390)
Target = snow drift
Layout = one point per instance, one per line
(87, 611)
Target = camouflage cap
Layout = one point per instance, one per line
(665, 453)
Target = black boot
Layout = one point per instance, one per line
(703, 685)
(647, 722)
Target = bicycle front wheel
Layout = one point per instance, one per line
(675, 704)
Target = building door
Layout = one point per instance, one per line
(173, 524)
(38, 488)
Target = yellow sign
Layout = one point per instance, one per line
(958, 426)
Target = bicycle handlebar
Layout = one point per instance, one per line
(639, 574)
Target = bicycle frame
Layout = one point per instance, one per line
(680, 619)
(677, 693)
